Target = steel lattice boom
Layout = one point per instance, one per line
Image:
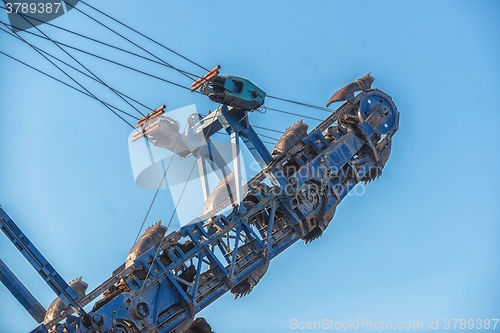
(168, 279)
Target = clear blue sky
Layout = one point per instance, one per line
(421, 243)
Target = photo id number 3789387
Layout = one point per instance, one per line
(32, 7)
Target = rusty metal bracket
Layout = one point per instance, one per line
(210, 75)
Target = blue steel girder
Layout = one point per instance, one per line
(21, 293)
(39, 263)
(236, 120)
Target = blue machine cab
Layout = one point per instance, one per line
(234, 91)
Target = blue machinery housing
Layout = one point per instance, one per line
(168, 279)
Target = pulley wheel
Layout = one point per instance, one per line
(379, 111)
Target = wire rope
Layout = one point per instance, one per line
(67, 84)
(74, 80)
(117, 33)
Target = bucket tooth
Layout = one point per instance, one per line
(346, 93)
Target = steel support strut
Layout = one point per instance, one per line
(21, 293)
(41, 265)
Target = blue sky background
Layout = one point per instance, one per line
(421, 243)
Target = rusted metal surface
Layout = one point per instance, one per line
(210, 74)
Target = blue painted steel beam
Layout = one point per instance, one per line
(39, 263)
(21, 293)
